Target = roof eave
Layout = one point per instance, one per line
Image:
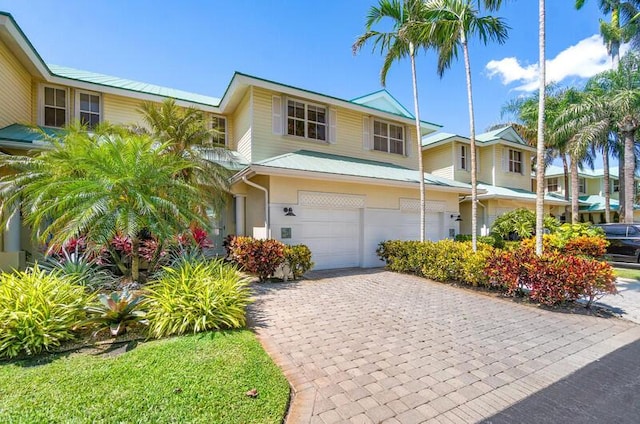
(324, 176)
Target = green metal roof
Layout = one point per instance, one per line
(483, 138)
(596, 203)
(26, 134)
(305, 160)
(125, 84)
(515, 193)
(558, 171)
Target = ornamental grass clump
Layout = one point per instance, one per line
(197, 296)
(38, 310)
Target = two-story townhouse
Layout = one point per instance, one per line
(338, 175)
(591, 195)
(504, 167)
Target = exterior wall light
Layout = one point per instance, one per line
(457, 217)
(289, 212)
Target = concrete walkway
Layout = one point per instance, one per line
(627, 302)
(373, 346)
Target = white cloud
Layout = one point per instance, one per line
(584, 59)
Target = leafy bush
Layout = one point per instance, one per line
(38, 310)
(444, 260)
(552, 278)
(197, 296)
(520, 223)
(83, 268)
(577, 245)
(492, 239)
(115, 312)
(261, 257)
(298, 259)
(568, 232)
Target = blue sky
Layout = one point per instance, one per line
(197, 45)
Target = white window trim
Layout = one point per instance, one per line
(557, 184)
(306, 103)
(77, 104)
(226, 127)
(584, 187)
(466, 157)
(373, 136)
(41, 103)
(509, 161)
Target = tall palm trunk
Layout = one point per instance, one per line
(414, 80)
(614, 45)
(540, 145)
(472, 136)
(575, 191)
(565, 165)
(607, 182)
(621, 185)
(629, 171)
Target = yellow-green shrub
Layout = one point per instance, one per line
(195, 296)
(38, 311)
(298, 258)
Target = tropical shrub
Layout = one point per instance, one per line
(551, 279)
(520, 223)
(38, 310)
(577, 245)
(82, 267)
(298, 260)
(492, 239)
(115, 312)
(260, 257)
(197, 296)
(444, 260)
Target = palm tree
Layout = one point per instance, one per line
(398, 43)
(188, 134)
(540, 147)
(99, 186)
(450, 24)
(622, 28)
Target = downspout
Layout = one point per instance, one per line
(266, 203)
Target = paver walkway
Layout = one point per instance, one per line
(374, 346)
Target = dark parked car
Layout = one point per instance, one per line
(624, 242)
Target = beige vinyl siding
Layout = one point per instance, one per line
(486, 168)
(15, 90)
(462, 175)
(121, 110)
(595, 186)
(348, 136)
(285, 190)
(504, 178)
(439, 161)
(242, 128)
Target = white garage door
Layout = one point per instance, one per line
(333, 235)
(409, 229)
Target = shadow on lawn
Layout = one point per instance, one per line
(605, 391)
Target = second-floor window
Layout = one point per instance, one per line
(55, 107)
(515, 161)
(306, 120)
(219, 126)
(582, 185)
(615, 186)
(388, 137)
(89, 109)
(552, 185)
(464, 157)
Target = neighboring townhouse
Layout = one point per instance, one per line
(337, 175)
(504, 169)
(591, 192)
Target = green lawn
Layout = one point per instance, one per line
(189, 379)
(633, 274)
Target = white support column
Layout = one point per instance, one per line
(240, 217)
(12, 233)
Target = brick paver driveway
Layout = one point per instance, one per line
(372, 346)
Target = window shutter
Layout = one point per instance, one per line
(366, 133)
(505, 159)
(408, 144)
(276, 113)
(333, 123)
(458, 149)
